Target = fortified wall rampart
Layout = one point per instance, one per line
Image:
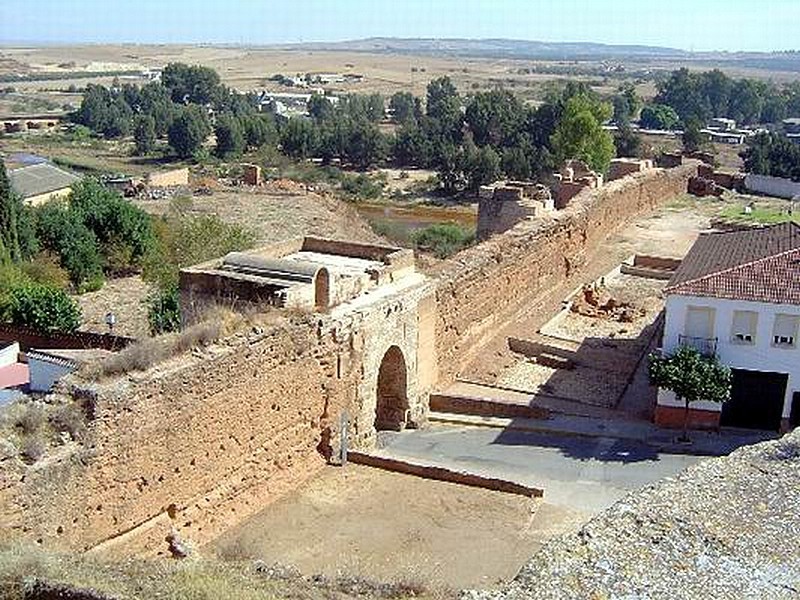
(485, 286)
(202, 441)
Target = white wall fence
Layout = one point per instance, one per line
(772, 186)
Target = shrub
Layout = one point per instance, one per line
(44, 269)
(443, 239)
(28, 418)
(44, 308)
(32, 448)
(69, 418)
(362, 186)
(164, 313)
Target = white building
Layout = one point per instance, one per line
(737, 295)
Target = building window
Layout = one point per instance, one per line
(699, 322)
(784, 332)
(699, 330)
(743, 329)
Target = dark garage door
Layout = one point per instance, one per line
(756, 400)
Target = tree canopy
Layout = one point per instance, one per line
(772, 154)
(691, 376)
(580, 133)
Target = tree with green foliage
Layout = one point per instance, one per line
(495, 118)
(190, 84)
(144, 134)
(46, 309)
(627, 105)
(188, 131)
(693, 138)
(443, 110)
(403, 107)
(63, 232)
(230, 138)
(299, 138)
(659, 116)
(481, 167)
(580, 133)
(155, 101)
(115, 222)
(627, 142)
(320, 108)
(692, 377)
(104, 111)
(10, 210)
(258, 130)
(366, 145)
(774, 155)
(412, 147)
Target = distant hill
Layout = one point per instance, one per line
(496, 48)
(533, 50)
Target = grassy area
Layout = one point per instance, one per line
(25, 569)
(764, 213)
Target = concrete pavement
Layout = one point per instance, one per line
(586, 474)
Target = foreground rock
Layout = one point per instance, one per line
(725, 528)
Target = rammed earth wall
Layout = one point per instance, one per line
(201, 442)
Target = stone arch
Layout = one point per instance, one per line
(392, 391)
(322, 289)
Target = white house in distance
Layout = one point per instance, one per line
(737, 295)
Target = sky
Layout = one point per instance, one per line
(699, 25)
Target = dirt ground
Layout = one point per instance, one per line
(274, 215)
(391, 527)
(125, 298)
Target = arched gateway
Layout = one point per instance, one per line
(392, 402)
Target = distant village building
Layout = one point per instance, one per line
(38, 183)
(792, 126)
(722, 124)
(736, 295)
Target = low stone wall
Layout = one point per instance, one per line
(483, 287)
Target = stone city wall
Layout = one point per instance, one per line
(201, 442)
(484, 287)
(198, 445)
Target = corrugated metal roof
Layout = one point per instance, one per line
(38, 179)
(761, 265)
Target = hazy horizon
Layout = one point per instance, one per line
(698, 25)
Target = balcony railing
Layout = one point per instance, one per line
(705, 346)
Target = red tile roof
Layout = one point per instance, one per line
(14, 376)
(759, 265)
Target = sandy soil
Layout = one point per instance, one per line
(389, 526)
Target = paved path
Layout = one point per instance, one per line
(581, 473)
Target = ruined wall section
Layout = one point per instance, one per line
(527, 267)
(196, 446)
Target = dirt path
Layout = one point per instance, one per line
(390, 527)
